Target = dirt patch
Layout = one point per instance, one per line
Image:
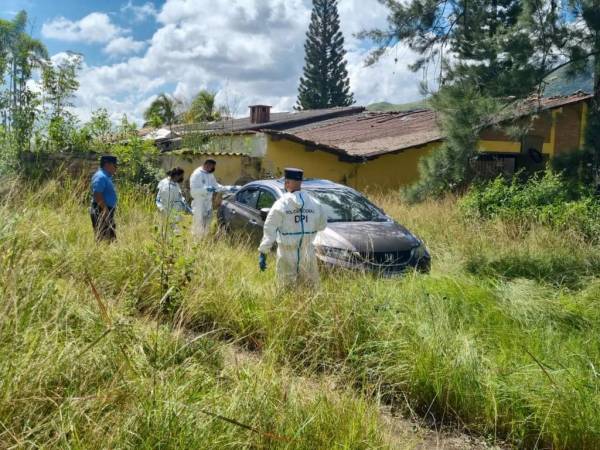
(400, 432)
(403, 433)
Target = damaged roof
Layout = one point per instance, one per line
(534, 104)
(369, 134)
(278, 121)
(358, 135)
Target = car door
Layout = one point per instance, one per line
(242, 209)
(265, 200)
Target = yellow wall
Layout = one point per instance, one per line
(386, 172)
(316, 164)
(393, 170)
(552, 126)
(488, 146)
(583, 123)
(230, 168)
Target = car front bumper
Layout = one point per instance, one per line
(421, 264)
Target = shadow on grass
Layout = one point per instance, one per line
(565, 269)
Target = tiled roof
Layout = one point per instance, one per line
(278, 121)
(533, 104)
(187, 151)
(354, 133)
(369, 134)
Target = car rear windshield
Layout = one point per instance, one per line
(344, 205)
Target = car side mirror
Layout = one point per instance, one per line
(264, 212)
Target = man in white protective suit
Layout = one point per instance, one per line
(203, 185)
(293, 222)
(169, 197)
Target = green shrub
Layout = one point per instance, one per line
(138, 158)
(545, 199)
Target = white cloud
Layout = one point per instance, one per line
(140, 12)
(95, 28)
(248, 50)
(123, 46)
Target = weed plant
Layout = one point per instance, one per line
(502, 338)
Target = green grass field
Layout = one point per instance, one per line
(130, 345)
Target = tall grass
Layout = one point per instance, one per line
(80, 370)
(502, 339)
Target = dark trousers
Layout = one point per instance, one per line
(103, 223)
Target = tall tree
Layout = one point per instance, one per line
(203, 108)
(325, 81)
(60, 83)
(161, 111)
(482, 53)
(20, 54)
(502, 46)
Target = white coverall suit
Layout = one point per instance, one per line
(202, 187)
(293, 222)
(170, 200)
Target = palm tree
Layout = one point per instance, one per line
(203, 108)
(21, 54)
(25, 53)
(161, 111)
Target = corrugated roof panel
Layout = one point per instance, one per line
(370, 134)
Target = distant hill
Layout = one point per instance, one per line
(387, 107)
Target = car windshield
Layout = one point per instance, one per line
(344, 205)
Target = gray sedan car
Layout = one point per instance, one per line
(359, 235)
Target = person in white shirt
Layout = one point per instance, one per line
(170, 200)
(293, 222)
(203, 185)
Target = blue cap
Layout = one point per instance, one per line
(293, 174)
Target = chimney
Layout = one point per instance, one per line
(260, 114)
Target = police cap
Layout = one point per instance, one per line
(293, 174)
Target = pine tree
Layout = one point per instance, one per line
(486, 54)
(325, 82)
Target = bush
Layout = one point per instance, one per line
(545, 199)
(138, 158)
(576, 166)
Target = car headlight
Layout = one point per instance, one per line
(337, 253)
(420, 251)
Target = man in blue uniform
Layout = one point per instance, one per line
(104, 200)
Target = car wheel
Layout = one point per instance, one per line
(222, 224)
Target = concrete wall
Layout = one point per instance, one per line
(393, 171)
(569, 129)
(560, 129)
(75, 164)
(251, 144)
(316, 164)
(231, 169)
(386, 172)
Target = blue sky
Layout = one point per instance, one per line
(249, 51)
(122, 13)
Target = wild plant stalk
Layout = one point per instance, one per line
(455, 346)
(69, 381)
